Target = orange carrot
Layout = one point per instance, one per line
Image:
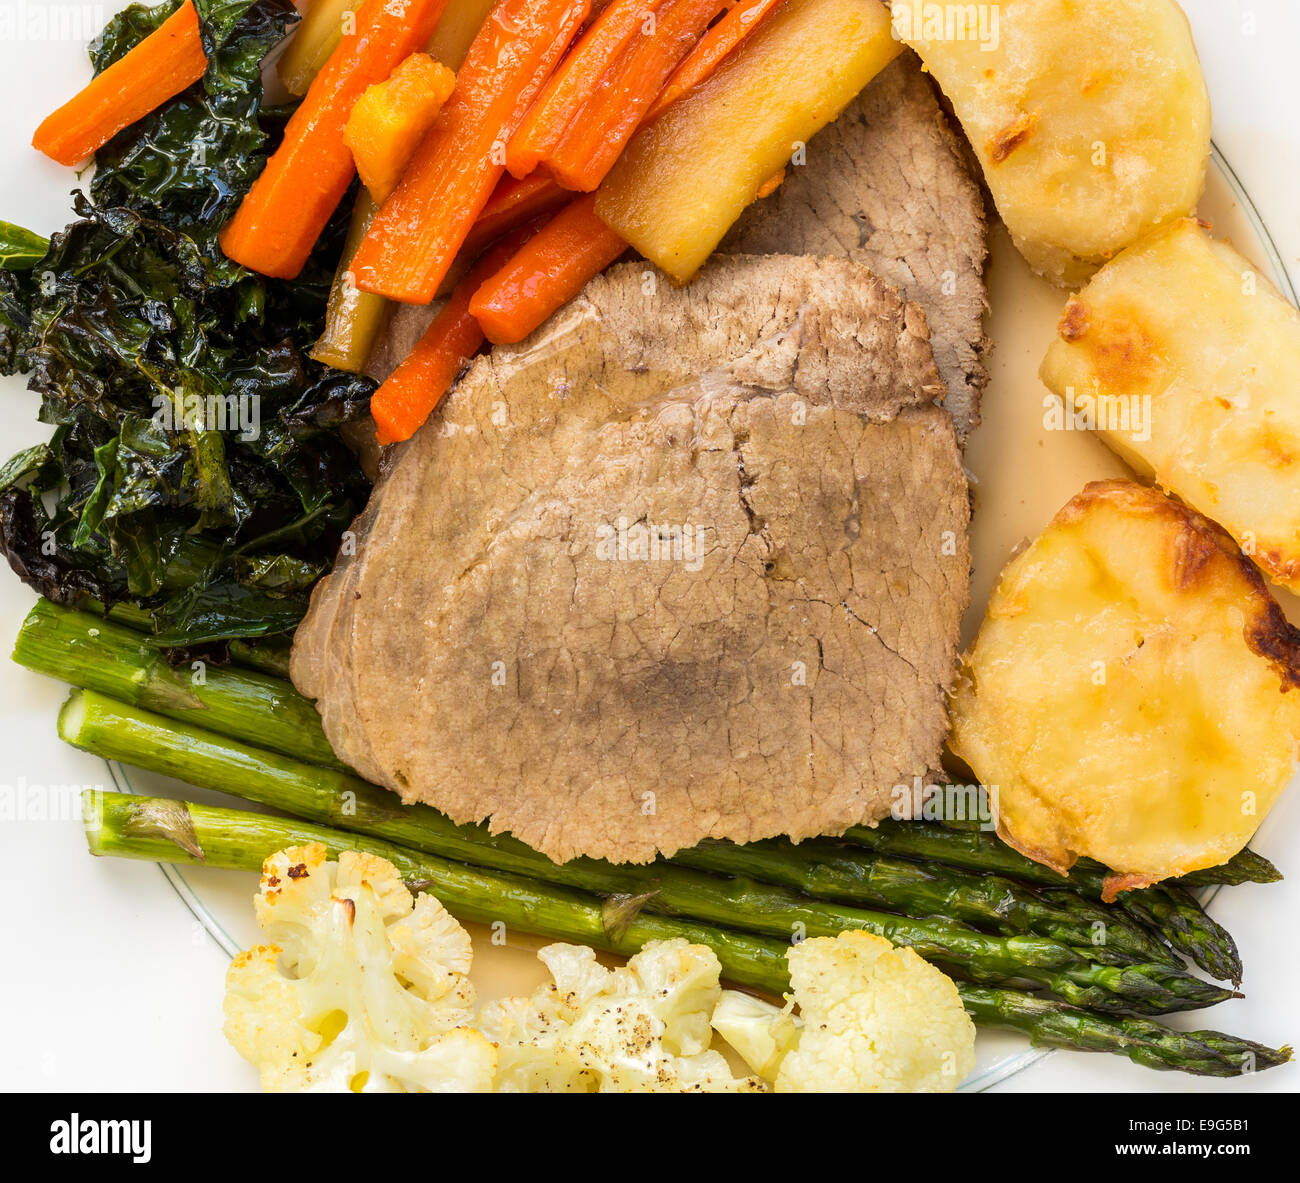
(282, 215)
(412, 391)
(546, 273)
(574, 82)
(157, 69)
(391, 117)
(596, 137)
(715, 45)
(512, 204)
(416, 235)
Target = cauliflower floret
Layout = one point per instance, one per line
(640, 1028)
(759, 1032)
(872, 1018)
(364, 988)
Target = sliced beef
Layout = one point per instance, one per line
(504, 643)
(888, 184)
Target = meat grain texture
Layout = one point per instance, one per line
(891, 185)
(505, 643)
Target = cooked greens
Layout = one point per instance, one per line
(195, 468)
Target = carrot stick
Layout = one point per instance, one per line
(574, 83)
(715, 45)
(513, 203)
(412, 391)
(546, 273)
(157, 69)
(596, 137)
(282, 215)
(422, 225)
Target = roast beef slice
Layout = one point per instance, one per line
(489, 650)
(888, 184)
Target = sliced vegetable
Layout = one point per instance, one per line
(353, 319)
(512, 204)
(278, 223)
(595, 140)
(158, 68)
(546, 273)
(456, 31)
(575, 82)
(713, 47)
(316, 36)
(402, 404)
(686, 177)
(421, 227)
(390, 118)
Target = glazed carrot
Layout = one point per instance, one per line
(412, 391)
(391, 117)
(546, 273)
(422, 225)
(715, 45)
(598, 134)
(574, 83)
(281, 217)
(157, 69)
(512, 204)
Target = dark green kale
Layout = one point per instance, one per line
(195, 468)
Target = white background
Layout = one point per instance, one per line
(109, 983)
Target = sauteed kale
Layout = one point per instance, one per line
(196, 467)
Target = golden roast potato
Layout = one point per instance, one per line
(1133, 695)
(1090, 118)
(1187, 362)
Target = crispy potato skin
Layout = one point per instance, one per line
(1091, 118)
(1183, 324)
(1134, 691)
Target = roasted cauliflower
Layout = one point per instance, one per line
(363, 989)
(640, 1028)
(872, 1019)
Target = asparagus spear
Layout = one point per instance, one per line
(1244, 867)
(117, 731)
(1174, 911)
(167, 831)
(91, 652)
(1174, 914)
(830, 871)
(85, 651)
(100, 655)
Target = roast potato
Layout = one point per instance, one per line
(1180, 336)
(1134, 693)
(1090, 118)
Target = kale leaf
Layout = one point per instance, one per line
(195, 468)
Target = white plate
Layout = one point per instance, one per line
(103, 936)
